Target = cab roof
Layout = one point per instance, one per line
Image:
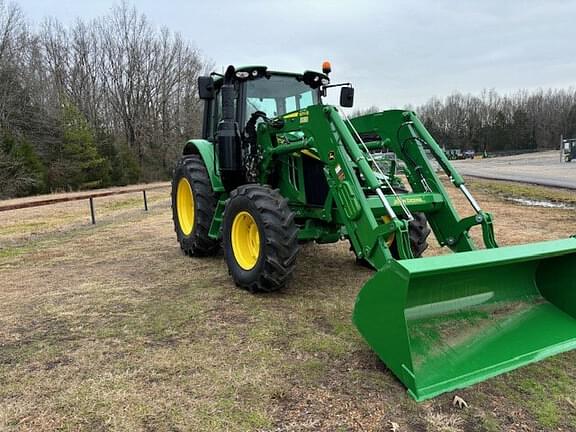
(249, 68)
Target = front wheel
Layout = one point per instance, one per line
(418, 231)
(260, 238)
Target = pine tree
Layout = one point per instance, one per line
(21, 169)
(77, 162)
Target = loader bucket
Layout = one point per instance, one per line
(447, 322)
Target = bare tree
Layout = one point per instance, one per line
(115, 88)
(518, 121)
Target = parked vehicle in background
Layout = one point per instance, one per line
(569, 149)
(454, 154)
(458, 154)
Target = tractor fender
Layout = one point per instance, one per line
(206, 151)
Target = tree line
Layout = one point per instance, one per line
(520, 121)
(110, 101)
(97, 103)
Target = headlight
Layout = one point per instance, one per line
(243, 74)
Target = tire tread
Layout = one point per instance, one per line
(281, 235)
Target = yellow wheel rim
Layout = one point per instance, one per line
(391, 237)
(185, 206)
(245, 240)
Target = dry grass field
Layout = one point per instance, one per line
(110, 327)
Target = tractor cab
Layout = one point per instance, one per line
(278, 95)
(258, 90)
(236, 102)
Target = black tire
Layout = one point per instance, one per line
(278, 238)
(418, 230)
(196, 242)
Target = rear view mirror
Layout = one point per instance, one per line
(347, 97)
(206, 87)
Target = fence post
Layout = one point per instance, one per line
(92, 211)
(145, 201)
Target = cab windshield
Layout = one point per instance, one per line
(278, 95)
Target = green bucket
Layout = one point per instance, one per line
(446, 322)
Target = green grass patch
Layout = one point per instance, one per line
(490, 423)
(319, 343)
(543, 390)
(135, 201)
(121, 204)
(505, 189)
(13, 252)
(310, 372)
(23, 227)
(547, 413)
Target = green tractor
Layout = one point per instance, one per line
(277, 167)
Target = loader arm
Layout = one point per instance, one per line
(362, 207)
(403, 133)
(348, 174)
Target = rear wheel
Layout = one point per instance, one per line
(193, 205)
(260, 238)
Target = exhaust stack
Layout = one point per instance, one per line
(228, 147)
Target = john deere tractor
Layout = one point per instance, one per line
(277, 167)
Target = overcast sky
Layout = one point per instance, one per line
(395, 53)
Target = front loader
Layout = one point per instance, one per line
(277, 167)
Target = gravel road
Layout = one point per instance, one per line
(543, 168)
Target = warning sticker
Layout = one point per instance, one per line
(339, 173)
